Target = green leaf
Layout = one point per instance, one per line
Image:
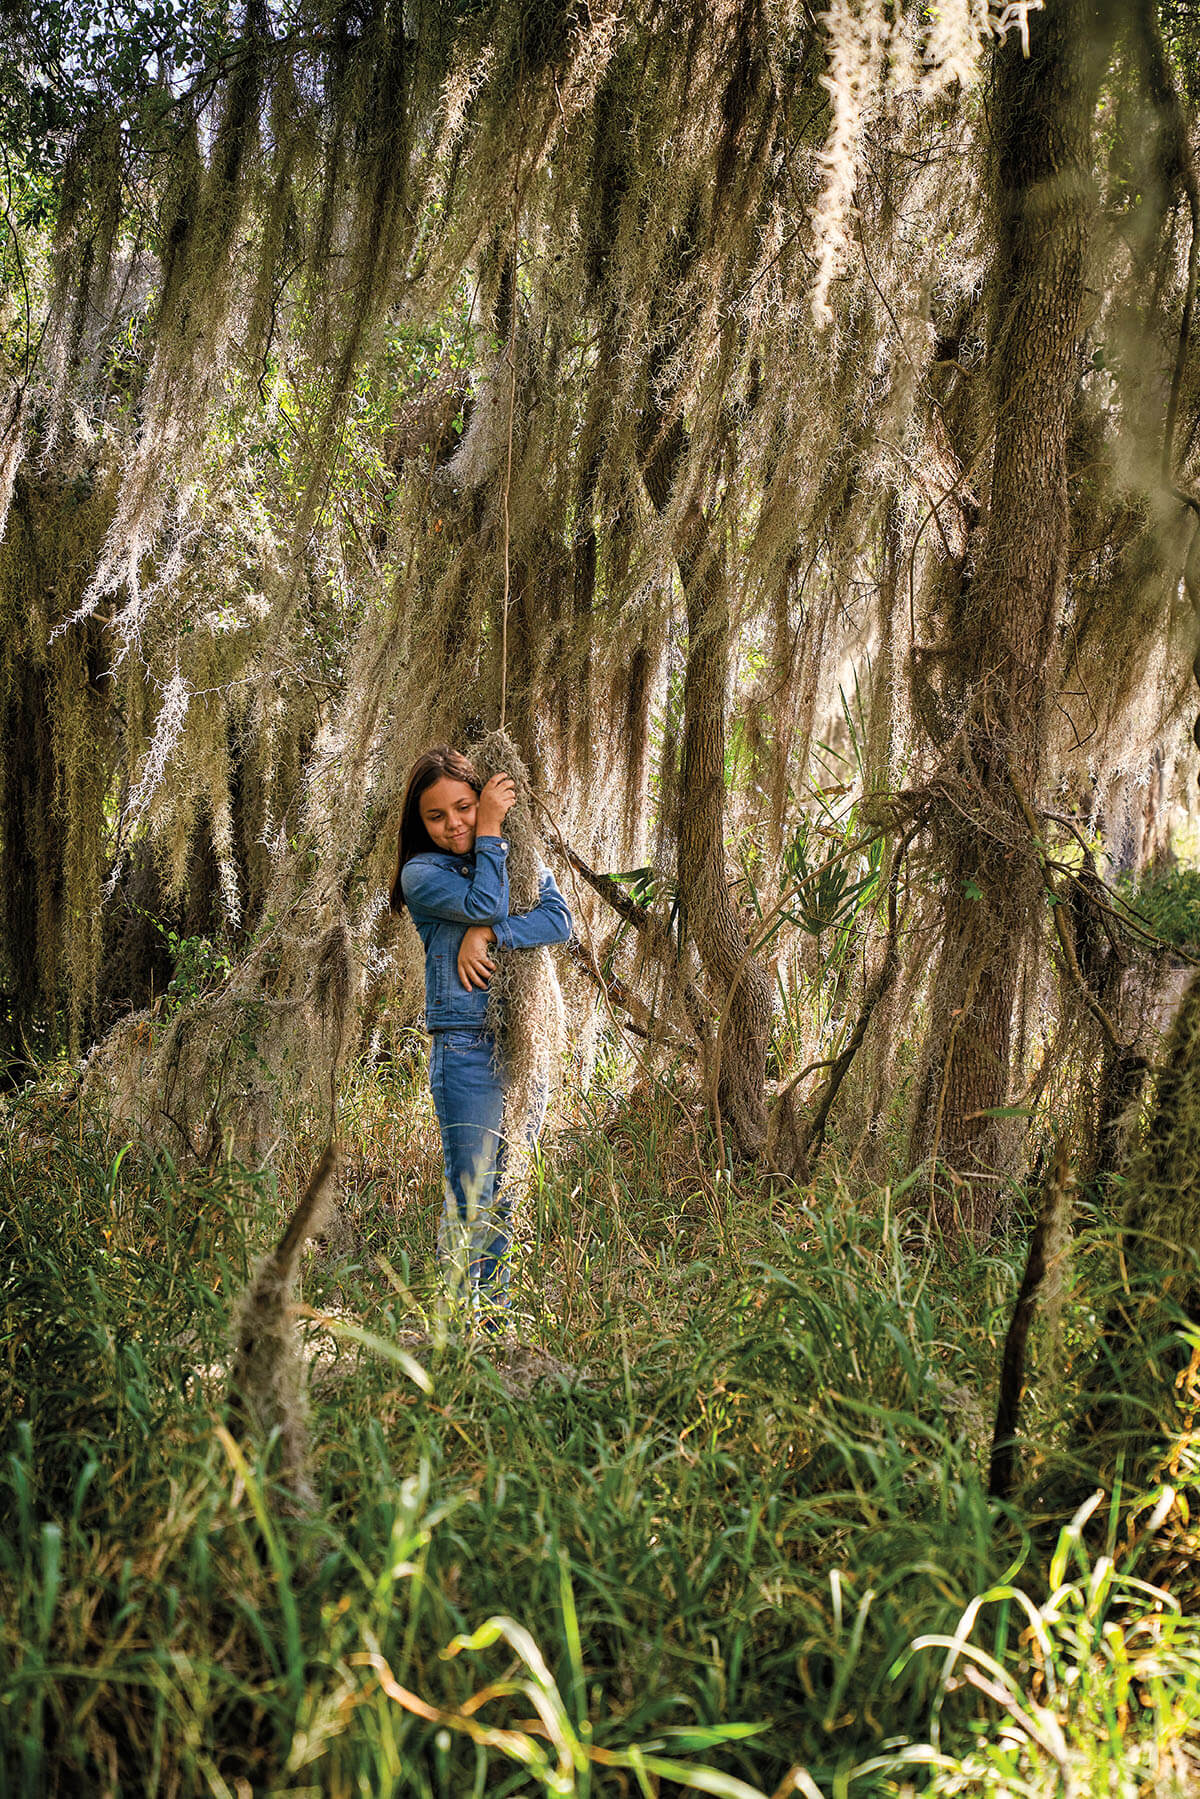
(387, 1352)
(708, 1736)
(644, 884)
(700, 1780)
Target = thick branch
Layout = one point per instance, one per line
(621, 996)
(644, 922)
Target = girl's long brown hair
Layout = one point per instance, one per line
(414, 838)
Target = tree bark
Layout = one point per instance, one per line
(740, 1047)
(1003, 661)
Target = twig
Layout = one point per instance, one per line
(809, 1068)
(617, 993)
(640, 917)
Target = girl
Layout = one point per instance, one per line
(451, 873)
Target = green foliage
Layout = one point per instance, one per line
(70, 63)
(719, 1515)
(829, 891)
(1069, 1670)
(198, 965)
(1167, 899)
(835, 877)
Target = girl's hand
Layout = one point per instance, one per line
(475, 966)
(495, 802)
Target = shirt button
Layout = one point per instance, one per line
(464, 870)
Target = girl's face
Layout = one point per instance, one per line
(447, 809)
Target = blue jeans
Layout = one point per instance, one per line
(473, 1233)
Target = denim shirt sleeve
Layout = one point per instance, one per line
(434, 885)
(548, 922)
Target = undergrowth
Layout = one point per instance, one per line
(716, 1521)
(1167, 899)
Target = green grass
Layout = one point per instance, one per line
(724, 1523)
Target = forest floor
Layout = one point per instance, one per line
(714, 1518)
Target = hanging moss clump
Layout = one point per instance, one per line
(525, 1009)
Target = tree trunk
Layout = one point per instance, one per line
(31, 892)
(738, 1078)
(1003, 659)
(740, 1049)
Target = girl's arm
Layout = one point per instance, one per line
(456, 893)
(548, 922)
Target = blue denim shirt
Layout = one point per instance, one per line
(445, 894)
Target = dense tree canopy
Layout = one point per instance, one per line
(784, 424)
